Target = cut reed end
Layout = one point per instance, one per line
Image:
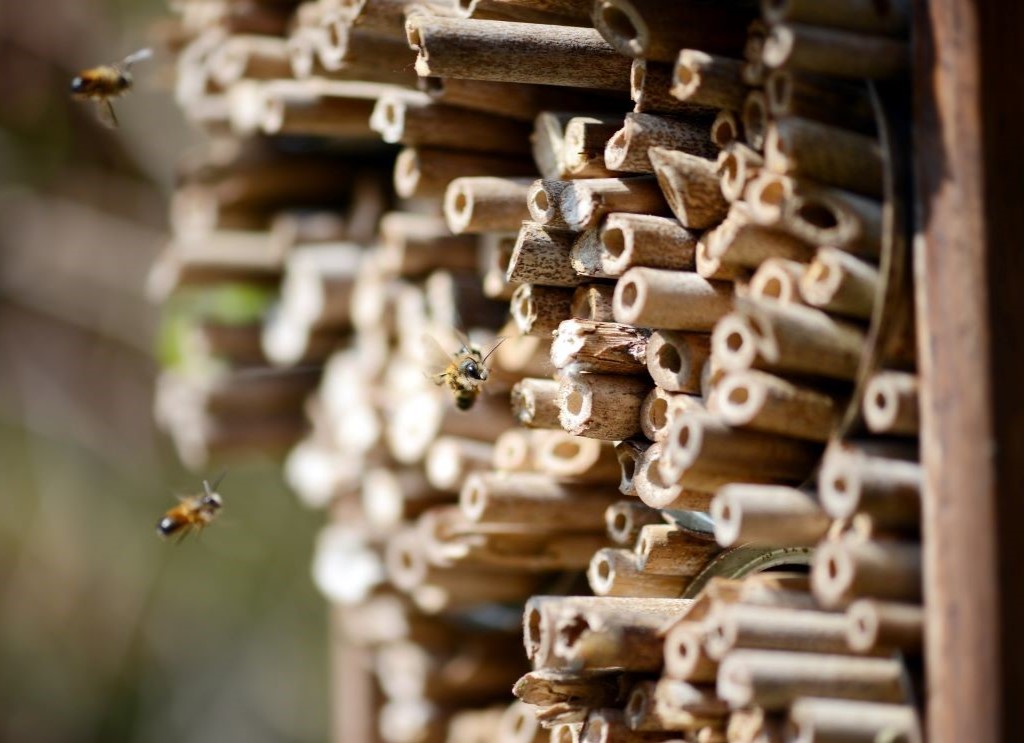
(832, 574)
(622, 26)
(734, 343)
(458, 206)
(629, 299)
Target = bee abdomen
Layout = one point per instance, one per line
(168, 526)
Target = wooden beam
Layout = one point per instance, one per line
(971, 343)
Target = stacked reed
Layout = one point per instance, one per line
(694, 288)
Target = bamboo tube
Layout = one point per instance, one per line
(238, 344)
(419, 418)
(524, 102)
(495, 252)
(883, 625)
(485, 204)
(847, 569)
(841, 283)
(331, 110)
(888, 489)
(538, 310)
(525, 355)
(824, 153)
(824, 99)
(688, 706)
(409, 571)
(541, 256)
(816, 214)
(891, 404)
(473, 725)
(390, 496)
(594, 688)
(411, 721)
(450, 459)
(767, 514)
(629, 240)
(777, 279)
(601, 406)
(625, 518)
(626, 151)
(675, 359)
(737, 165)
(890, 19)
(708, 79)
(792, 339)
(650, 29)
(515, 52)
(652, 488)
(586, 254)
(535, 402)
(515, 451)
(597, 638)
(664, 549)
(704, 453)
(684, 654)
(566, 732)
(534, 499)
(650, 86)
(416, 244)
(248, 56)
(657, 410)
(690, 186)
(402, 120)
(630, 454)
(670, 299)
(583, 146)
(836, 52)
(740, 241)
(584, 202)
(600, 347)
(576, 459)
(425, 171)
(726, 129)
(406, 670)
(563, 12)
(754, 116)
(823, 720)
(608, 726)
(772, 628)
(593, 302)
(287, 342)
(548, 143)
(542, 613)
(543, 202)
(614, 572)
(763, 402)
(756, 725)
(773, 679)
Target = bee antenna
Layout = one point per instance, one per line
(494, 348)
(211, 489)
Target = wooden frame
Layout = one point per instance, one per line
(971, 346)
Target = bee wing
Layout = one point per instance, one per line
(462, 338)
(134, 57)
(212, 488)
(105, 113)
(436, 359)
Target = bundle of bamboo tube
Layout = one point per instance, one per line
(695, 287)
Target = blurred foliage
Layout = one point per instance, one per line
(106, 632)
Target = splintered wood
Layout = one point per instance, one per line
(681, 308)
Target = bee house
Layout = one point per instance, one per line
(725, 470)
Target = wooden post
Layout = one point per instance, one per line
(966, 264)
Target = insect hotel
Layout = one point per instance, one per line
(727, 467)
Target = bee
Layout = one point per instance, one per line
(193, 512)
(102, 83)
(464, 371)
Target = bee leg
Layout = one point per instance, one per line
(107, 115)
(184, 533)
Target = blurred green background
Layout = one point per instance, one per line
(106, 632)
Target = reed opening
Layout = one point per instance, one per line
(620, 24)
(669, 358)
(566, 449)
(630, 293)
(659, 413)
(614, 241)
(818, 215)
(533, 620)
(574, 402)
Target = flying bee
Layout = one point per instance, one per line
(464, 371)
(193, 512)
(102, 83)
